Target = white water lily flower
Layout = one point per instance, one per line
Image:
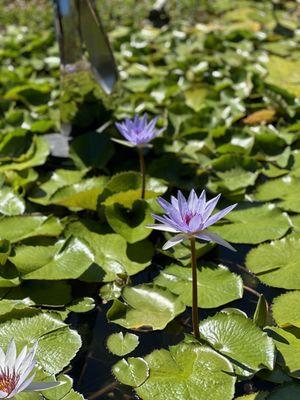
(16, 372)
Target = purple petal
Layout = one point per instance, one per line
(192, 201)
(216, 217)
(210, 206)
(175, 240)
(162, 227)
(164, 204)
(22, 386)
(182, 204)
(195, 223)
(201, 204)
(213, 237)
(40, 386)
(11, 354)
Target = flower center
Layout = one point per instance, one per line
(188, 217)
(8, 380)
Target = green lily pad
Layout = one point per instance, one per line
(145, 307)
(286, 309)
(216, 284)
(238, 338)
(132, 372)
(10, 202)
(82, 305)
(254, 225)
(286, 190)
(58, 179)
(112, 255)
(17, 228)
(284, 73)
(40, 152)
(81, 195)
(6, 306)
(276, 263)
(121, 344)
(288, 346)
(130, 222)
(234, 172)
(66, 260)
(52, 335)
(188, 371)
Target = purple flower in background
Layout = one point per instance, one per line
(16, 372)
(190, 218)
(138, 131)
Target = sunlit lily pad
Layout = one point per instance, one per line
(277, 263)
(216, 284)
(10, 202)
(17, 228)
(287, 343)
(237, 337)
(131, 372)
(286, 190)
(66, 260)
(188, 371)
(121, 344)
(286, 309)
(145, 307)
(254, 225)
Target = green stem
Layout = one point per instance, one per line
(195, 316)
(143, 172)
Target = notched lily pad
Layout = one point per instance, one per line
(121, 344)
(146, 307)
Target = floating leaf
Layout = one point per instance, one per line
(130, 222)
(188, 371)
(276, 263)
(132, 372)
(261, 312)
(216, 284)
(286, 309)
(146, 307)
(121, 344)
(286, 189)
(82, 195)
(21, 227)
(10, 202)
(82, 305)
(112, 255)
(284, 73)
(66, 260)
(254, 225)
(241, 340)
(254, 396)
(288, 346)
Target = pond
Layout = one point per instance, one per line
(109, 246)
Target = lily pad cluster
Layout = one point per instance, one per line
(223, 80)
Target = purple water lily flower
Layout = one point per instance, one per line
(16, 372)
(138, 131)
(190, 218)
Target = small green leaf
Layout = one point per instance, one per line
(121, 344)
(82, 305)
(261, 312)
(132, 372)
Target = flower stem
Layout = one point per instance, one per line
(195, 290)
(143, 172)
